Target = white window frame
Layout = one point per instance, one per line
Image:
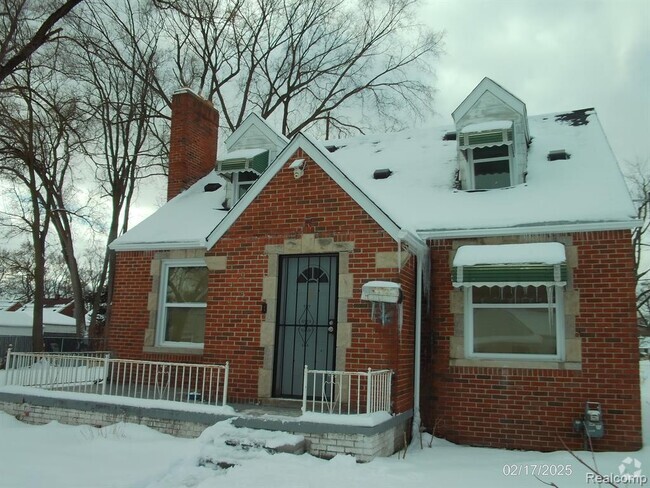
(163, 305)
(473, 162)
(237, 186)
(558, 305)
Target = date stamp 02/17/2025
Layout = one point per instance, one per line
(541, 470)
(630, 472)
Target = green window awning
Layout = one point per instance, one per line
(533, 264)
(485, 134)
(255, 160)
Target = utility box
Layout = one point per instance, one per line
(386, 300)
(591, 423)
(382, 291)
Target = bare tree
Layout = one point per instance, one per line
(111, 40)
(27, 25)
(18, 160)
(17, 277)
(638, 178)
(39, 136)
(326, 62)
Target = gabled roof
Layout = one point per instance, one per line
(254, 120)
(184, 222)
(488, 85)
(320, 155)
(508, 99)
(418, 198)
(585, 192)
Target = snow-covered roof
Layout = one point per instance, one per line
(485, 126)
(240, 153)
(6, 304)
(20, 322)
(183, 222)
(585, 192)
(530, 253)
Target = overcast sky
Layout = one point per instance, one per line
(555, 55)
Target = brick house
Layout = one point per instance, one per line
(488, 265)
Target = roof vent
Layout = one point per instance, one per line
(558, 154)
(211, 187)
(382, 174)
(449, 136)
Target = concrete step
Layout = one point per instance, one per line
(245, 439)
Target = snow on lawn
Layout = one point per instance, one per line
(127, 455)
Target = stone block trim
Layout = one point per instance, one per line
(305, 244)
(529, 405)
(310, 215)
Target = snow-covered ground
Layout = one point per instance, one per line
(127, 455)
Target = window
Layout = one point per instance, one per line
(184, 289)
(490, 167)
(519, 321)
(488, 154)
(242, 182)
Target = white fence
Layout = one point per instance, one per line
(98, 373)
(344, 392)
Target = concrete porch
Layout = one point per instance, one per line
(361, 436)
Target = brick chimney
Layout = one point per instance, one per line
(193, 141)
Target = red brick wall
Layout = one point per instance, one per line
(193, 141)
(287, 208)
(533, 409)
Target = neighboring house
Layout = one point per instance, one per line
(488, 264)
(16, 324)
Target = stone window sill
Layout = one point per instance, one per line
(516, 364)
(195, 351)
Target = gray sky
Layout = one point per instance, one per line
(555, 55)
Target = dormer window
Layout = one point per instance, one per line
(487, 150)
(242, 167)
(241, 182)
(490, 167)
(493, 138)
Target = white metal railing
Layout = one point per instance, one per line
(345, 392)
(99, 373)
(182, 382)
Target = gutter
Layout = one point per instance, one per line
(530, 229)
(158, 246)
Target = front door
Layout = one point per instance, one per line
(306, 320)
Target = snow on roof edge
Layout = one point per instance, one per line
(528, 253)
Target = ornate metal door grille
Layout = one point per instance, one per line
(306, 320)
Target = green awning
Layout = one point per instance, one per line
(530, 264)
(510, 275)
(255, 160)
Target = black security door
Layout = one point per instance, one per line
(306, 320)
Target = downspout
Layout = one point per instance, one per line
(418, 345)
(421, 253)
